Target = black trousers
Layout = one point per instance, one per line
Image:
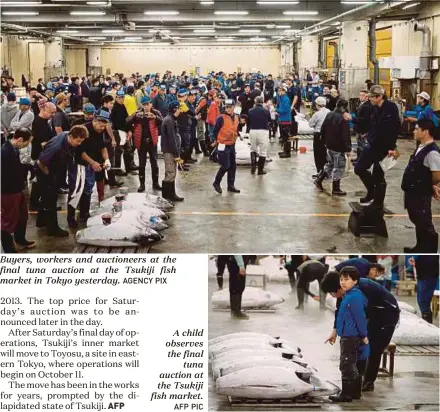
(319, 152)
(379, 337)
(349, 358)
(222, 260)
(367, 159)
(150, 149)
(420, 214)
(237, 282)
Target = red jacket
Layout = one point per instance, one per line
(137, 124)
(213, 113)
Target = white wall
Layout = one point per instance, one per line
(308, 52)
(148, 59)
(75, 61)
(406, 42)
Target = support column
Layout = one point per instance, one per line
(94, 65)
(308, 56)
(54, 58)
(287, 63)
(354, 57)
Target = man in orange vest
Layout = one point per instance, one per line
(225, 133)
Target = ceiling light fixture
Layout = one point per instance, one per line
(356, 2)
(336, 23)
(282, 27)
(250, 31)
(410, 5)
(67, 31)
(226, 39)
(97, 3)
(291, 31)
(270, 3)
(300, 13)
(20, 13)
(206, 3)
(155, 30)
(161, 13)
(87, 13)
(97, 38)
(231, 13)
(20, 3)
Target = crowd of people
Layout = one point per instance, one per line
(366, 315)
(188, 114)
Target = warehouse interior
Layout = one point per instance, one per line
(414, 384)
(394, 43)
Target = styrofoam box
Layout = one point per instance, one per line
(255, 276)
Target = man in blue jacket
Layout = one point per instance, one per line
(383, 316)
(285, 121)
(426, 111)
(351, 327)
(366, 269)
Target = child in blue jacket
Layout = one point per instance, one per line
(351, 327)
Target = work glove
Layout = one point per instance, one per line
(178, 161)
(107, 164)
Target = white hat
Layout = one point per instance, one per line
(424, 95)
(321, 101)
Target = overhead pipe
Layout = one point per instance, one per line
(322, 54)
(24, 29)
(373, 58)
(425, 55)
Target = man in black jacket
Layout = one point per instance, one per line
(420, 180)
(427, 273)
(362, 121)
(14, 214)
(383, 316)
(382, 136)
(171, 147)
(335, 133)
(308, 272)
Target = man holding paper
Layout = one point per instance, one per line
(382, 136)
(420, 180)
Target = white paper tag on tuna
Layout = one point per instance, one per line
(387, 163)
(221, 147)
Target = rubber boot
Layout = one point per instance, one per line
(141, 184)
(261, 162)
(112, 179)
(8, 242)
(220, 281)
(71, 219)
(34, 200)
(287, 150)
(41, 218)
(128, 162)
(20, 240)
(336, 190)
(155, 176)
(173, 192)
(52, 225)
(100, 187)
(357, 388)
(84, 207)
(197, 147)
(367, 181)
(379, 197)
(346, 394)
(203, 147)
(321, 177)
(300, 294)
(166, 190)
(368, 386)
(233, 304)
(118, 162)
(253, 162)
(427, 316)
(240, 314)
(187, 157)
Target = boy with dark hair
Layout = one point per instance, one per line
(351, 326)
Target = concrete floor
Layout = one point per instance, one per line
(415, 385)
(275, 213)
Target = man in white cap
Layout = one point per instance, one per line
(319, 150)
(427, 113)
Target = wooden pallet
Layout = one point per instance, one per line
(413, 350)
(97, 249)
(299, 402)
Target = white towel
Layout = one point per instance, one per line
(79, 186)
(123, 136)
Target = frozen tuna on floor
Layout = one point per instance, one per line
(413, 330)
(263, 382)
(253, 298)
(239, 335)
(116, 235)
(132, 218)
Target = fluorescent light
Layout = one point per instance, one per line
(231, 13)
(356, 2)
(336, 23)
(155, 30)
(291, 31)
(67, 31)
(250, 31)
(229, 27)
(97, 38)
(282, 27)
(226, 39)
(87, 13)
(206, 3)
(115, 31)
(270, 26)
(161, 13)
(278, 2)
(20, 3)
(410, 5)
(131, 38)
(20, 13)
(97, 3)
(258, 39)
(204, 31)
(300, 13)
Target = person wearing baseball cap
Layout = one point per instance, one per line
(160, 101)
(184, 125)
(420, 183)
(426, 111)
(171, 97)
(319, 149)
(145, 125)
(24, 117)
(170, 144)
(382, 136)
(225, 134)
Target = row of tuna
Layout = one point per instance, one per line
(139, 222)
(259, 366)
